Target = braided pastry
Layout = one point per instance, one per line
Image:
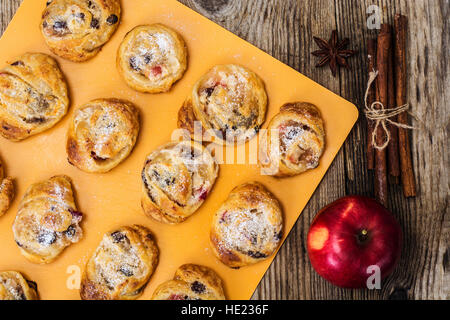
(247, 228)
(301, 140)
(33, 96)
(152, 58)
(191, 282)
(47, 221)
(230, 101)
(121, 266)
(102, 134)
(13, 286)
(6, 191)
(77, 29)
(177, 179)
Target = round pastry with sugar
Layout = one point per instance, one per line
(293, 142)
(33, 96)
(152, 58)
(230, 102)
(47, 221)
(248, 226)
(121, 266)
(191, 282)
(77, 29)
(14, 286)
(102, 134)
(176, 180)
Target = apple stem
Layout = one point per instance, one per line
(362, 237)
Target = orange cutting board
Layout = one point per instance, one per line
(113, 199)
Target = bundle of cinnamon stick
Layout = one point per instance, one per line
(387, 55)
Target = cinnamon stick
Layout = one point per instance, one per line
(383, 46)
(371, 58)
(407, 173)
(393, 151)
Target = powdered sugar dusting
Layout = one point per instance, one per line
(246, 228)
(153, 55)
(289, 135)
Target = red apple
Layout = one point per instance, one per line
(350, 235)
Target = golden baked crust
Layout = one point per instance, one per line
(152, 58)
(300, 142)
(77, 29)
(177, 179)
(121, 266)
(6, 191)
(102, 134)
(230, 101)
(186, 117)
(191, 282)
(13, 286)
(248, 226)
(47, 221)
(33, 96)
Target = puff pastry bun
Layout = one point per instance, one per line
(300, 141)
(33, 96)
(6, 191)
(247, 228)
(230, 101)
(152, 58)
(47, 221)
(102, 134)
(177, 179)
(13, 286)
(121, 266)
(191, 282)
(77, 29)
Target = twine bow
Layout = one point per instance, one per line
(382, 115)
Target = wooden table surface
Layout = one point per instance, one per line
(285, 29)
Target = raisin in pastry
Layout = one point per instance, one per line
(6, 191)
(14, 286)
(177, 179)
(191, 282)
(294, 141)
(33, 96)
(47, 221)
(152, 58)
(77, 29)
(102, 134)
(229, 101)
(121, 266)
(247, 228)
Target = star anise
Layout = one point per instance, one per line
(333, 52)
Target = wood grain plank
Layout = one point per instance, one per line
(284, 29)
